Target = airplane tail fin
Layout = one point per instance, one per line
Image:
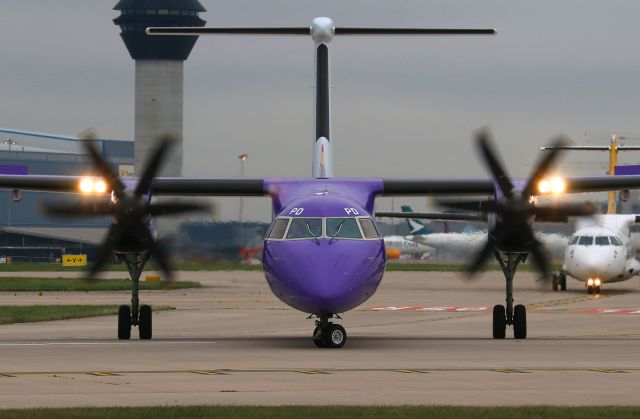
(416, 226)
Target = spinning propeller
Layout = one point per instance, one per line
(515, 209)
(130, 231)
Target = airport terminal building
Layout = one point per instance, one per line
(25, 231)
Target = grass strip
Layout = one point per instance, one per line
(454, 267)
(422, 267)
(120, 267)
(334, 412)
(41, 313)
(75, 284)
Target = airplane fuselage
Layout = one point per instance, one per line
(600, 253)
(323, 252)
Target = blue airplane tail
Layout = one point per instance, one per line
(416, 227)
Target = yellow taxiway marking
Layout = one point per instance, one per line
(209, 372)
(411, 371)
(510, 371)
(311, 372)
(507, 370)
(573, 300)
(608, 371)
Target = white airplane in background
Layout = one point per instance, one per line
(398, 247)
(466, 242)
(601, 250)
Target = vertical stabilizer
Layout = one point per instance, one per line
(322, 32)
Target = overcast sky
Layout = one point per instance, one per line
(401, 106)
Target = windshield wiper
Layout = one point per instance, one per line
(337, 231)
(315, 238)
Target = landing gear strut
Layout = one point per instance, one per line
(509, 315)
(327, 334)
(136, 315)
(560, 281)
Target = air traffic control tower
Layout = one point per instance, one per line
(159, 71)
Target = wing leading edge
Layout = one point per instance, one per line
(256, 187)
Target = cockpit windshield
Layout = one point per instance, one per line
(305, 228)
(354, 228)
(615, 241)
(602, 241)
(345, 228)
(585, 241)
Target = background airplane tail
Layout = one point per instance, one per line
(416, 227)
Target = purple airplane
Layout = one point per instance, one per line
(323, 254)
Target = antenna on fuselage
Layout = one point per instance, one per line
(322, 31)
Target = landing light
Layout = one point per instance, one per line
(552, 186)
(89, 185)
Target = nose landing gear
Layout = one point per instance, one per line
(327, 334)
(593, 286)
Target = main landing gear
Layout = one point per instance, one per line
(136, 315)
(327, 334)
(560, 281)
(509, 315)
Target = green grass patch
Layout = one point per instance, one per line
(74, 284)
(454, 267)
(55, 267)
(393, 266)
(335, 412)
(41, 313)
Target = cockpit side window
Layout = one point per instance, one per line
(573, 240)
(585, 240)
(369, 228)
(602, 241)
(305, 228)
(278, 229)
(346, 228)
(615, 241)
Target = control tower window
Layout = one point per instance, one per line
(305, 228)
(163, 11)
(369, 228)
(152, 11)
(278, 229)
(345, 228)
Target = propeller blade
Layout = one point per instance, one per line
(153, 164)
(90, 209)
(539, 259)
(481, 258)
(544, 164)
(560, 212)
(102, 256)
(101, 164)
(482, 206)
(168, 208)
(159, 253)
(493, 163)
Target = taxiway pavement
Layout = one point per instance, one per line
(424, 338)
